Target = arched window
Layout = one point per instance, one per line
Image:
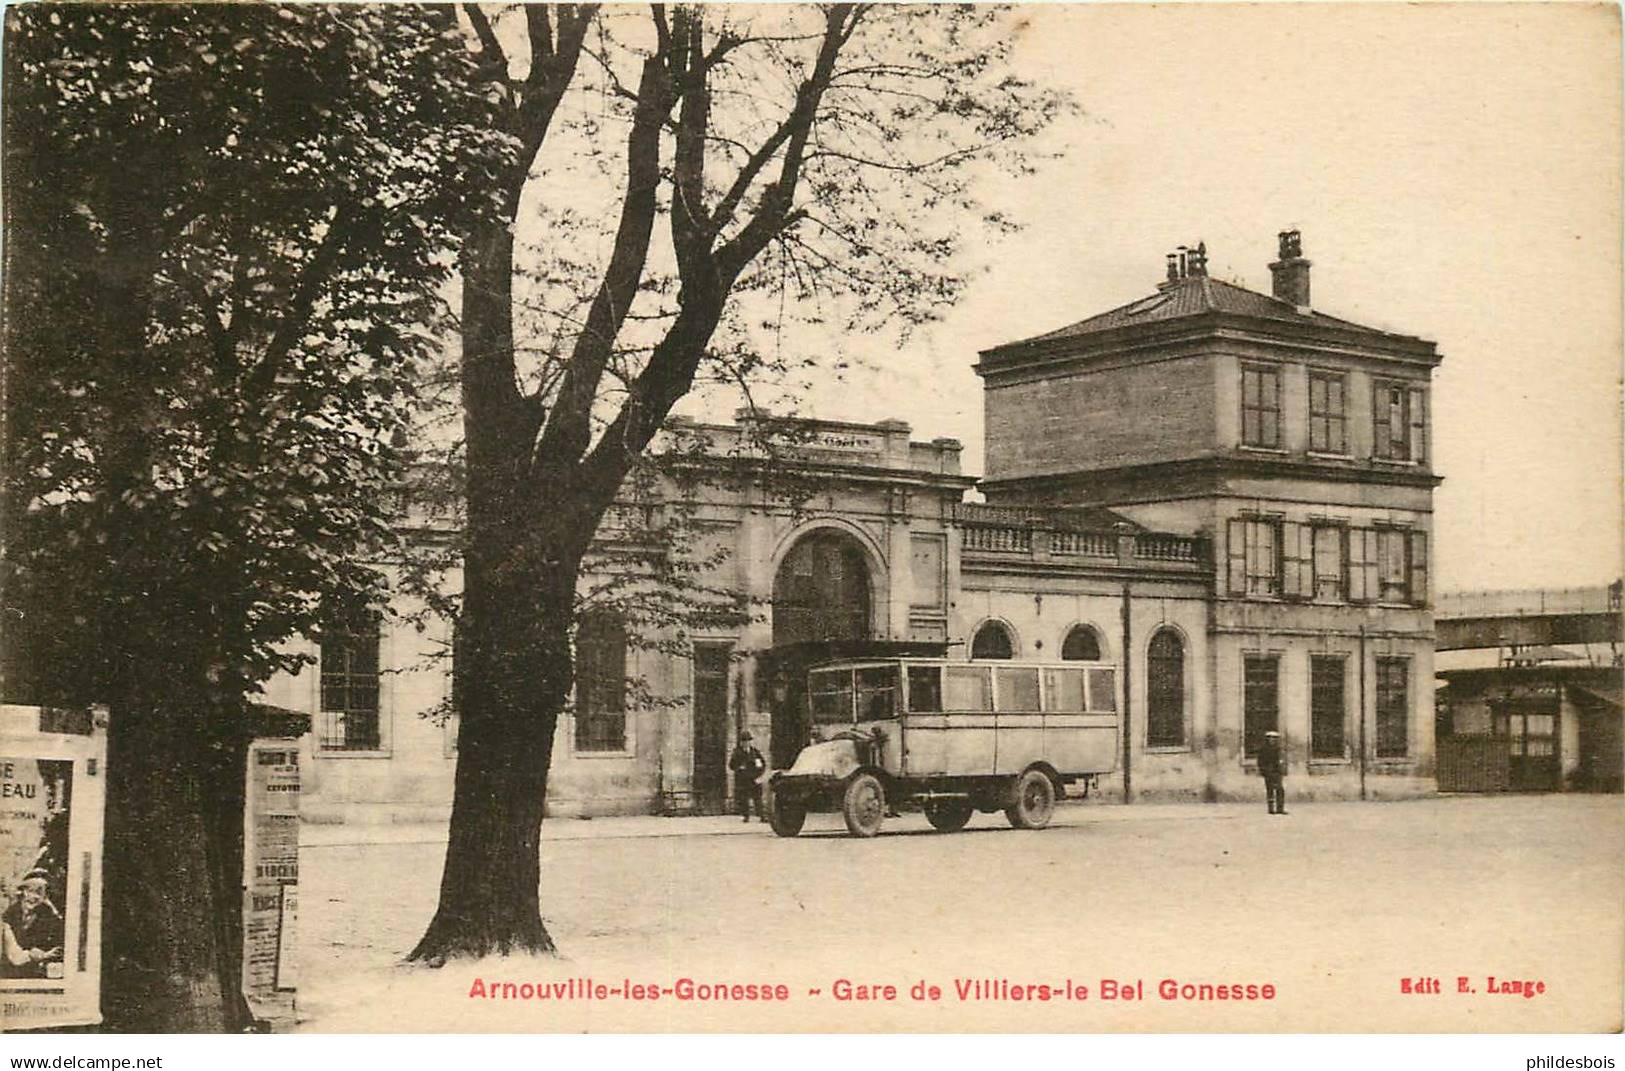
(1165, 691)
(992, 640)
(821, 591)
(1081, 645)
(601, 682)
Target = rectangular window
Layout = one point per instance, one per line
(350, 674)
(926, 572)
(1255, 556)
(1102, 689)
(1362, 565)
(1393, 565)
(1393, 708)
(925, 689)
(1260, 708)
(1063, 691)
(1018, 690)
(967, 688)
(1399, 422)
(1327, 707)
(877, 693)
(1260, 406)
(1327, 422)
(1330, 580)
(601, 682)
(1297, 560)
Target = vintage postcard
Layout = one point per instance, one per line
(813, 519)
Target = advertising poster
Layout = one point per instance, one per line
(271, 877)
(50, 853)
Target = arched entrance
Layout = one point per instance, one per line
(822, 590)
(822, 595)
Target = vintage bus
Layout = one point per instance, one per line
(949, 737)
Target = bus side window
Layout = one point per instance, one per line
(967, 688)
(1102, 690)
(925, 689)
(1064, 691)
(1018, 690)
(877, 692)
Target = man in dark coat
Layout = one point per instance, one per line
(1273, 768)
(748, 766)
(32, 930)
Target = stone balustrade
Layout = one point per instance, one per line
(1012, 532)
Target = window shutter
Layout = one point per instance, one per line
(1236, 549)
(1306, 560)
(1343, 563)
(1292, 561)
(1419, 569)
(1361, 581)
(1381, 446)
(1371, 565)
(1419, 424)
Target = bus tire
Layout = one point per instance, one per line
(1032, 801)
(949, 816)
(864, 805)
(786, 819)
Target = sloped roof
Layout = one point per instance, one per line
(1195, 296)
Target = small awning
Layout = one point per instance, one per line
(1601, 693)
(1539, 652)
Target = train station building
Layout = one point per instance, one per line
(1224, 493)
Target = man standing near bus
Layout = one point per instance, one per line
(747, 765)
(1273, 769)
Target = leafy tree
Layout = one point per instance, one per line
(229, 230)
(768, 168)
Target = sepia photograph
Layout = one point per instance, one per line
(833, 518)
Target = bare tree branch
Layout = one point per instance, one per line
(839, 22)
(568, 430)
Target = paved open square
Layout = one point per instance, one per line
(1339, 908)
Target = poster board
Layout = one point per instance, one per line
(271, 878)
(52, 799)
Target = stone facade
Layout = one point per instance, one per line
(1226, 494)
(1299, 445)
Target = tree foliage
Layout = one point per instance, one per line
(228, 242)
(228, 235)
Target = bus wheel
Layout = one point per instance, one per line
(786, 819)
(1032, 803)
(864, 805)
(948, 817)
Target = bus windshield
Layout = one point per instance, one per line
(830, 695)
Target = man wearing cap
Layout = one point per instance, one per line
(748, 766)
(1273, 769)
(32, 929)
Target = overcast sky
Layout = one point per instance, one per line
(1455, 172)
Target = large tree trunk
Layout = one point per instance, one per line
(164, 969)
(515, 650)
(521, 560)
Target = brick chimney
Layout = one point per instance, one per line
(1185, 263)
(1290, 274)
